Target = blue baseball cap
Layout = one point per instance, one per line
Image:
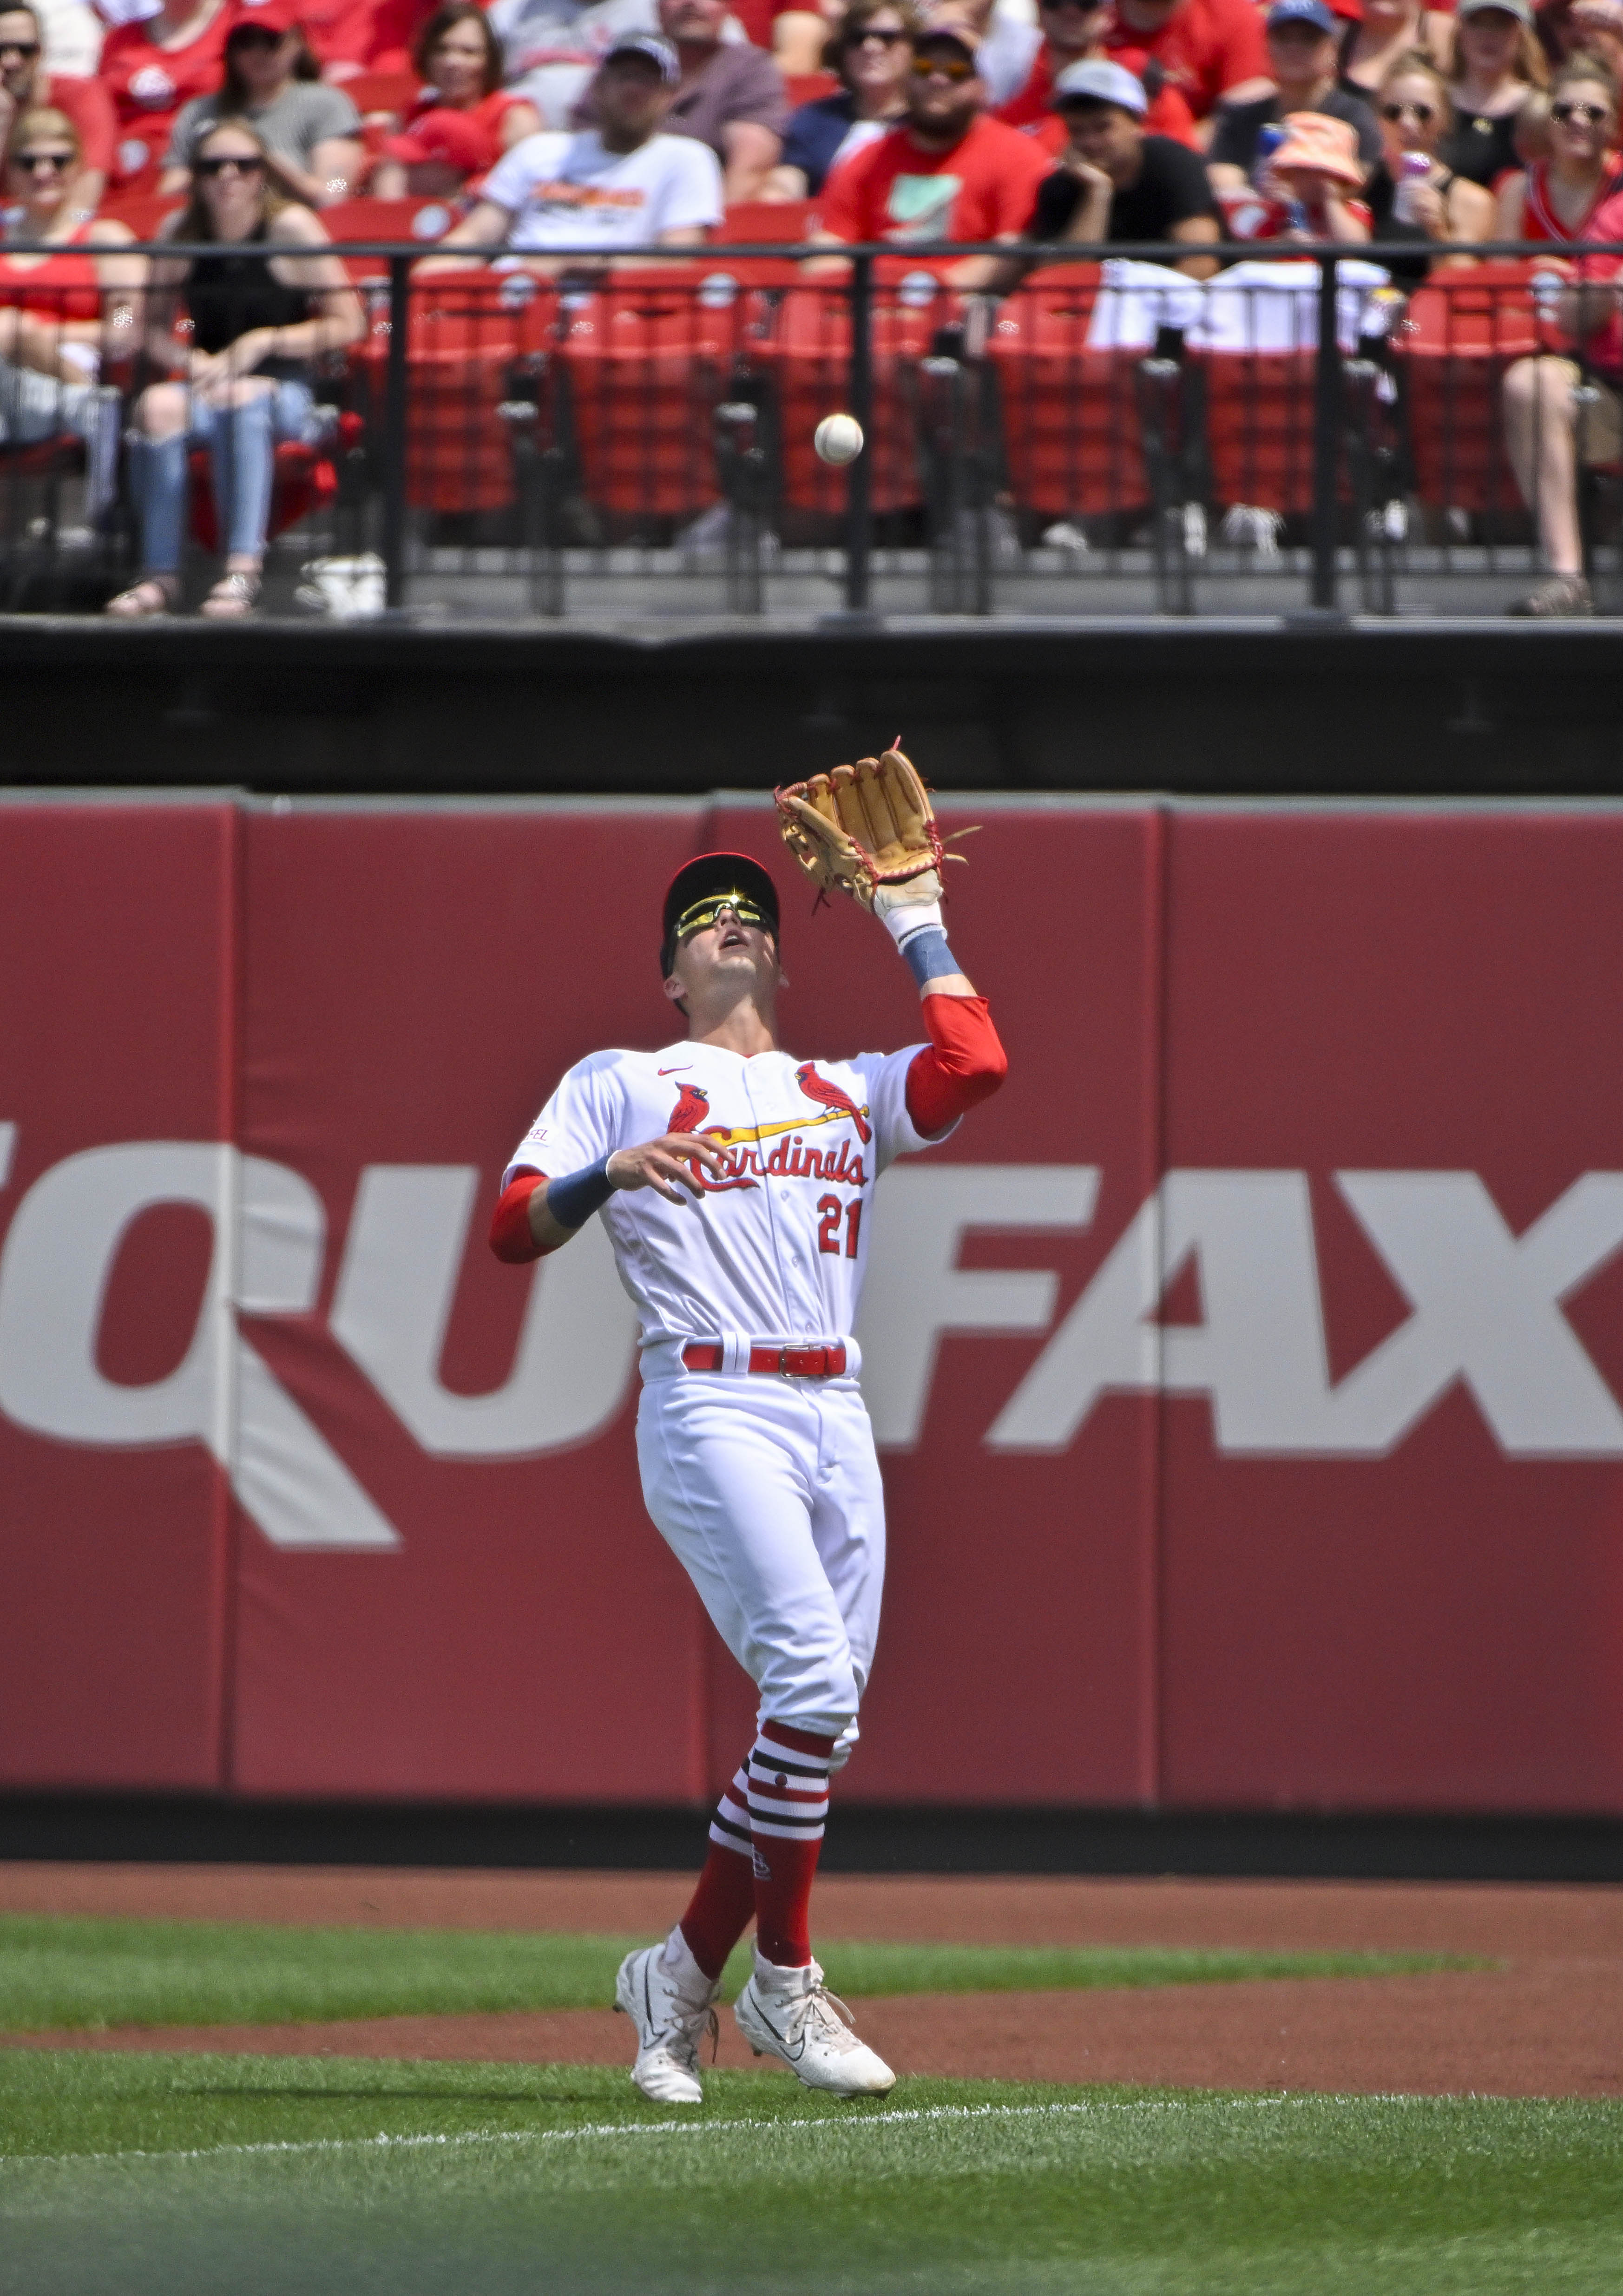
(1300, 12)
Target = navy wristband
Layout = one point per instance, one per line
(927, 953)
(572, 1201)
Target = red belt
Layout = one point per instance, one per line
(799, 1363)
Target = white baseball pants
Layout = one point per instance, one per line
(767, 1491)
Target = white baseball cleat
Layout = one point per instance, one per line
(671, 2019)
(790, 2013)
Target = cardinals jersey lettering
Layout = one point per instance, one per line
(776, 1246)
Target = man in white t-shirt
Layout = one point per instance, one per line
(620, 184)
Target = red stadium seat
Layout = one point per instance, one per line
(1071, 421)
(306, 482)
(383, 91)
(1259, 415)
(648, 359)
(468, 332)
(763, 222)
(809, 354)
(1463, 331)
(141, 212)
(418, 221)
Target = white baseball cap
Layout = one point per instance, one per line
(1101, 82)
(655, 47)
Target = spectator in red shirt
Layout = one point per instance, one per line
(26, 86)
(152, 68)
(1549, 429)
(945, 172)
(1211, 51)
(1072, 32)
(464, 118)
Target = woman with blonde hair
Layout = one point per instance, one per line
(1495, 60)
(1556, 198)
(63, 312)
(1411, 204)
(262, 310)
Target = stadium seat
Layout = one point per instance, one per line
(646, 361)
(807, 355)
(1071, 421)
(308, 481)
(418, 221)
(809, 87)
(763, 222)
(1463, 330)
(141, 212)
(383, 91)
(469, 332)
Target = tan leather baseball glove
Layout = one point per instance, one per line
(868, 828)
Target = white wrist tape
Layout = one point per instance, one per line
(902, 922)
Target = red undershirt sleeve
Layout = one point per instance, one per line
(510, 1231)
(963, 1063)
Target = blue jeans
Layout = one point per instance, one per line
(241, 443)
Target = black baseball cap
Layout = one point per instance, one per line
(714, 872)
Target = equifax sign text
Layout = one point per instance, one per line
(1486, 1312)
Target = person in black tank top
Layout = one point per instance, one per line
(263, 309)
(1497, 61)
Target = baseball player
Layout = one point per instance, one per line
(736, 1182)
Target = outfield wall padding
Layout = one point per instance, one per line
(1246, 1373)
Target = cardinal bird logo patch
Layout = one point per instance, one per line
(692, 1106)
(829, 1095)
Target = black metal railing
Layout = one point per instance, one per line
(1301, 429)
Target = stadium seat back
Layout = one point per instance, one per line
(1259, 422)
(810, 357)
(647, 361)
(1462, 332)
(763, 222)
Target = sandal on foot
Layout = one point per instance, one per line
(153, 593)
(232, 596)
(1562, 595)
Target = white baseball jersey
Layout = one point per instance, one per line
(776, 1246)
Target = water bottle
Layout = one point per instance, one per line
(1413, 169)
(1270, 135)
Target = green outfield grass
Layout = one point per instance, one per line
(153, 2176)
(56, 1972)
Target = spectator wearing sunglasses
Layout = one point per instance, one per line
(872, 54)
(1071, 33)
(945, 171)
(26, 84)
(1114, 182)
(273, 300)
(1564, 413)
(1407, 207)
(1558, 197)
(311, 133)
(63, 312)
(1302, 57)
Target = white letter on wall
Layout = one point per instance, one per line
(913, 1290)
(575, 1353)
(58, 1257)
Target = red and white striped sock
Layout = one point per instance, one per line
(723, 1904)
(788, 1790)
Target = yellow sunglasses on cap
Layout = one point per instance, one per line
(698, 914)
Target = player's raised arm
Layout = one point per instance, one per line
(870, 829)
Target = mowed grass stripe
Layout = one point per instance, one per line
(78, 1975)
(951, 2188)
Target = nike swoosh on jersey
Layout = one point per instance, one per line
(680, 1071)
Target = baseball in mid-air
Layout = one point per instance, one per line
(838, 438)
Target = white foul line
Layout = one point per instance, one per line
(718, 2128)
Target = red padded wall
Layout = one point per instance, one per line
(117, 1013)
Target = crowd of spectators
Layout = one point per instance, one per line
(549, 125)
